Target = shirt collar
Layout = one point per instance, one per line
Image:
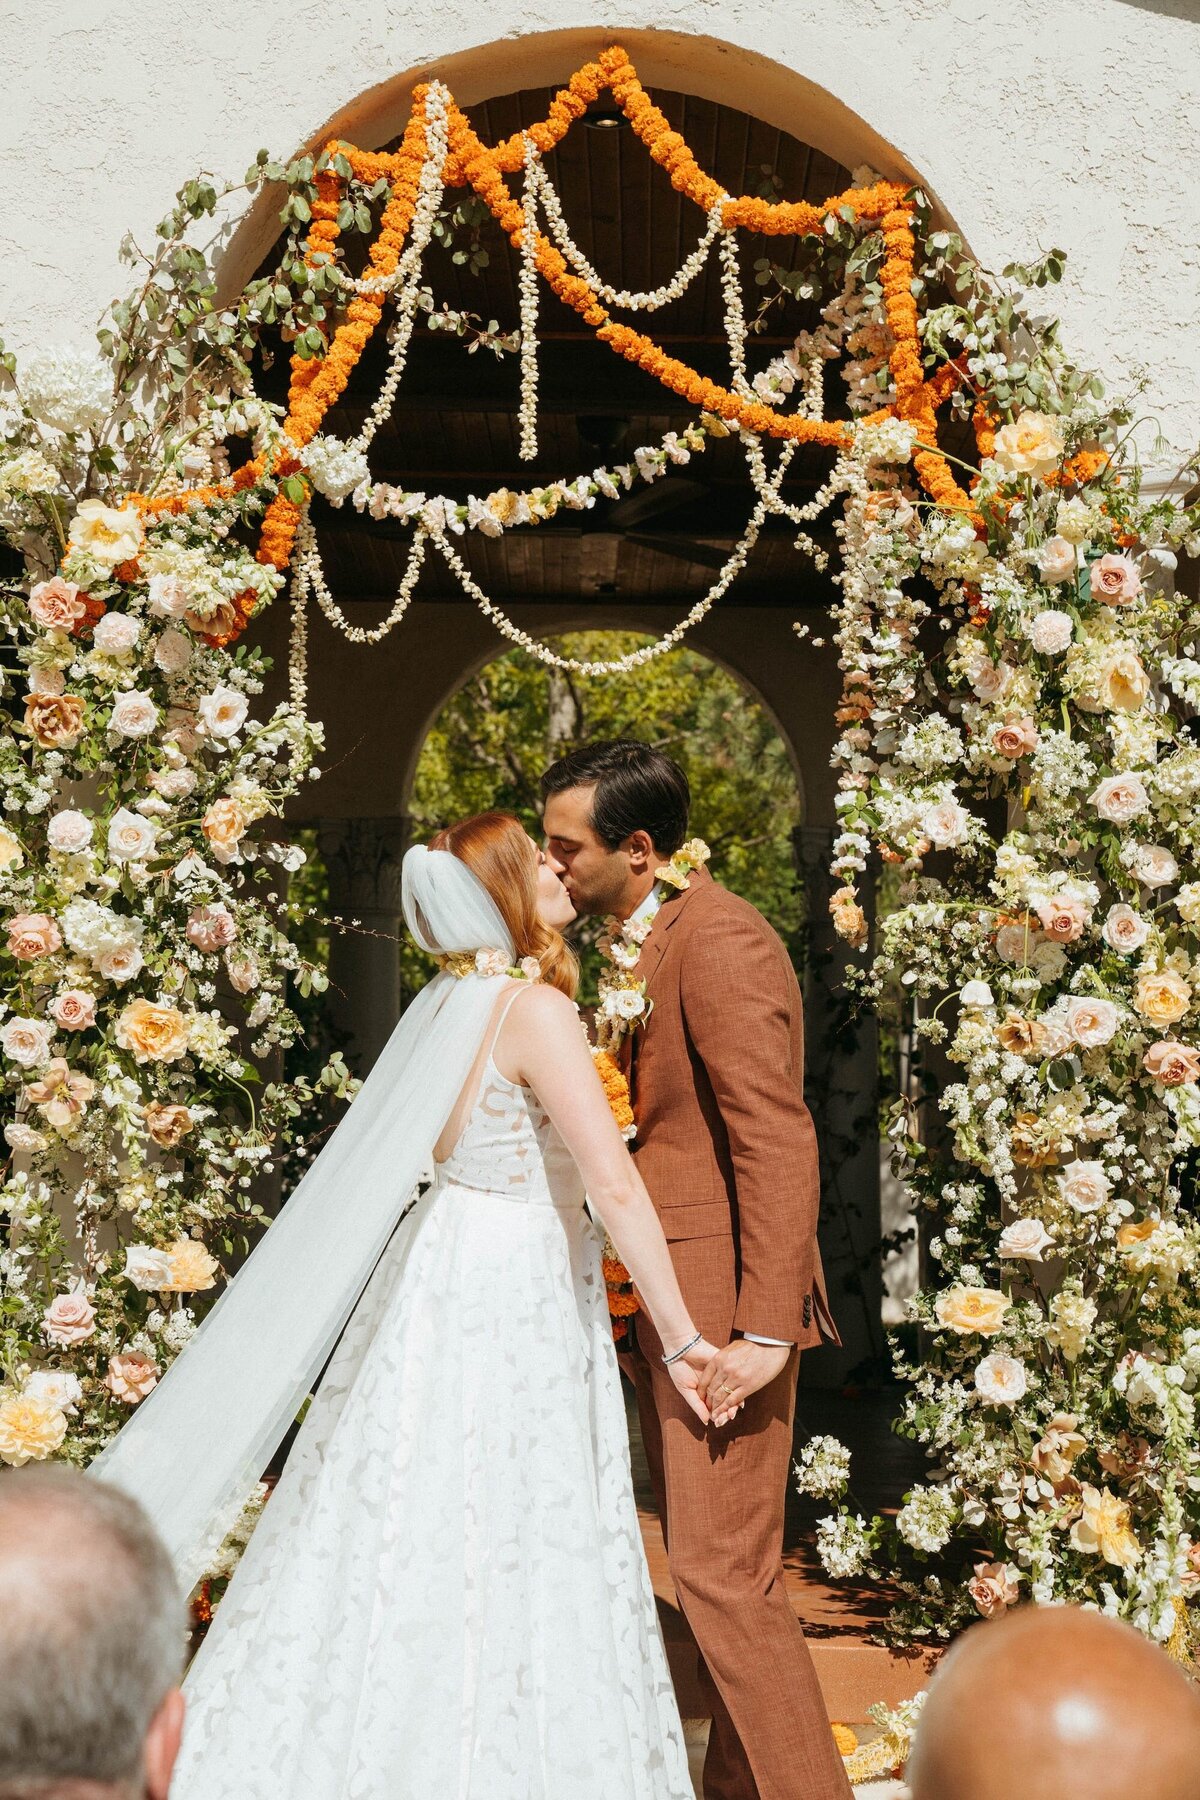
(643, 914)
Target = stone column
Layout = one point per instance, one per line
(841, 1086)
(363, 857)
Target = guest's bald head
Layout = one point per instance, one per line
(1053, 1703)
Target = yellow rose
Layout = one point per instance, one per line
(30, 1429)
(108, 534)
(1163, 997)
(192, 1268)
(153, 1031)
(1124, 682)
(1104, 1529)
(1031, 445)
(967, 1309)
(11, 854)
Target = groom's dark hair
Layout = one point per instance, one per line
(637, 789)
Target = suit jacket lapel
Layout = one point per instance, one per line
(654, 948)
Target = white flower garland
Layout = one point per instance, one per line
(309, 577)
(527, 282)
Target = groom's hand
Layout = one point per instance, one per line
(737, 1372)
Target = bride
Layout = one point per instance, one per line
(447, 1593)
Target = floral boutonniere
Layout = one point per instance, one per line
(687, 859)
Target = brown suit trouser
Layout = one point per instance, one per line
(720, 1497)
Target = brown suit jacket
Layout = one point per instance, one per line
(725, 1142)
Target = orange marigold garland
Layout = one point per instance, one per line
(622, 1301)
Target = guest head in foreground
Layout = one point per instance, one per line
(92, 1634)
(528, 894)
(614, 811)
(1054, 1703)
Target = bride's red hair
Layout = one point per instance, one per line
(496, 848)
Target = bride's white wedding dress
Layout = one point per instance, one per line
(447, 1597)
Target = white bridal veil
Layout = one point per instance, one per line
(195, 1447)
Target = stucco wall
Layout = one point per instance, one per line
(1034, 123)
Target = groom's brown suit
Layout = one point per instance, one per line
(726, 1146)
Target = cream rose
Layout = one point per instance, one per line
(1115, 580)
(131, 838)
(167, 1125)
(1124, 930)
(945, 825)
(134, 715)
(169, 597)
(1031, 444)
(972, 1309)
(131, 1376)
(26, 1041)
(146, 1268)
(1120, 798)
(153, 1031)
(1172, 1064)
(1124, 682)
(1057, 560)
(1154, 866)
(69, 1318)
(57, 1387)
(30, 1430)
(116, 634)
(243, 973)
(994, 1588)
(12, 856)
(57, 605)
(69, 831)
(192, 1268)
(1051, 631)
(47, 681)
(32, 935)
(1025, 1240)
(108, 534)
(1000, 1380)
(223, 712)
(1091, 1022)
(1064, 915)
(991, 681)
(120, 963)
(211, 928)
(172, 652)
(73, 1010)
(1016, 737)
(1084, 1185)
(1162, 997)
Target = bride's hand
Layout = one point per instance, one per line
(686, 1375)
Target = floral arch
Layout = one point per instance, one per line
(1020, 684)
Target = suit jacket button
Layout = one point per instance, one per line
(807, 1315)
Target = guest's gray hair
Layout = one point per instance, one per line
(92, 1633)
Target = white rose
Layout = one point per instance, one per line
(134, 715)
(116, 633)
(69, 831)
(146, 1268)
(1154, 866)
(1091, 1022)
(1000, 1380)
(1050, 631)
(1054, 1034)
(1124, 930)
(976, 994)
(169, 597)
(223, 712)
(172, 652)
(1120, 798)
(26, 1041)
(945, 825)
(47, 681)
(991, 681)
(1025, 1240)
(1056, 560)
(57, 1387)
(1084, 1186)
(119, 962)
(629, 1004)
(131, 838)
(491, 962)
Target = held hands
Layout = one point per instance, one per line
(686, 1371)
(733, 1374)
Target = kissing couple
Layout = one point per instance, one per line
(447, 1596)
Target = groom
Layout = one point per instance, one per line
(726, 1146)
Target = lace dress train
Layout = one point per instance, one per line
(446, 1597)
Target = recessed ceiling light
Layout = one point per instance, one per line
(605, 118)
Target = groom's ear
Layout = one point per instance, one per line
(639, 846)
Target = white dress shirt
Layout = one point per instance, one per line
(642, 915)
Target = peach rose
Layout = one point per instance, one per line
(1031, 444)
(1064, 916)
(1120, 798)
(994, 1588)
(211, 928)
(1017, 737)
(1017, 1035)
(62, 1095)
(1162, 997)
(1058, 1448)
(30, 1430)
(192, 1268)
(1024, 1240)
(131, 1376)
(849, 920)
(74, 1010)
(1130, 1236)
(1124, 682)
(56, 605)
(1115, 580)
(243, 973)
(1172, 1064)
(47, 681)
(31, 935)
(154, 1031)
(1056, 560)
(167, 1125)
(69, 1318)
(1091, 1022)
(224, 825)
(972, 1309)
(55, 721)
(222, 618)
(1124, 930)
(991, 681)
